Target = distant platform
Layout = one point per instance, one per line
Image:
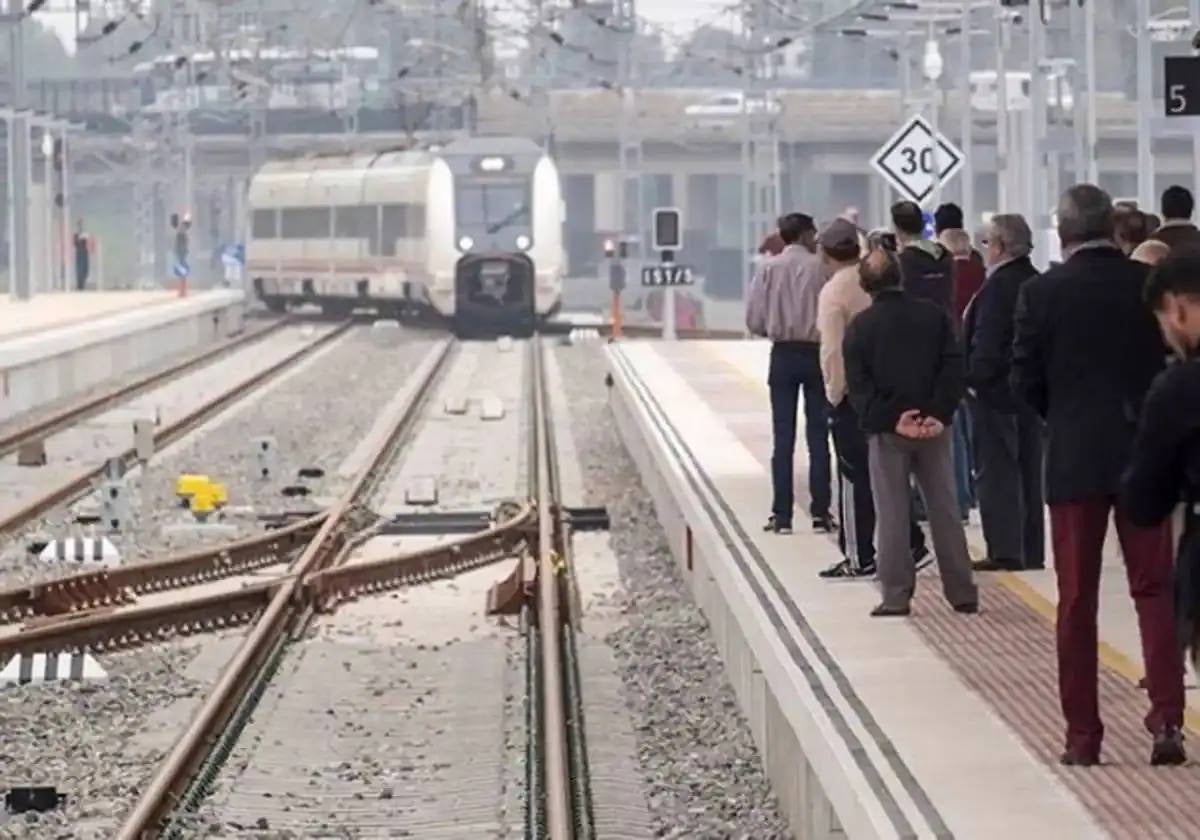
(56, 345)
(58, 309)
(939, 725)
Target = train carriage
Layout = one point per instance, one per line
(473, 232)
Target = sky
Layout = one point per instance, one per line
(681, 15)
(678, 15)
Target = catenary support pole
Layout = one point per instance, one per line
(1145, 102)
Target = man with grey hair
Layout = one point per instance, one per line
(1008, 433)
(1085, 351)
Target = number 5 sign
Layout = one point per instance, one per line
(909, 158)
(1182, 78)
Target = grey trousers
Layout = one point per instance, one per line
(1008, 460)
(892, 460)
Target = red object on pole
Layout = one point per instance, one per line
(616, 315)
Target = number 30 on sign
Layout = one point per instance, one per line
(914, 163)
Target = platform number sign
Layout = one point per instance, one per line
(910, 159)
(666, 275)
(1182, 78)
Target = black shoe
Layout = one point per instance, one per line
(1168, 748)
(967, 609)
(922, 557)
(823, 524)
(884, 611)
(1070, 758)
(844, 571)
(998, 565)
(774, 526)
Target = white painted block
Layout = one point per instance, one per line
(491, 408)
(504, 344)
(456, 405)
(422, 491)
(27, 668)
(82, 550)
(143, 439)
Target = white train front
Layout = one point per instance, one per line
(473, 231)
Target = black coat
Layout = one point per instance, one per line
(988, 334)
(902, 354)
(1164, 471)
(1178, 236)
(1085, 351)
(928, 270)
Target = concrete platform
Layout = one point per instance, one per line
(936, 726)
(54, 346)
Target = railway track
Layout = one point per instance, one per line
(115, 608)
(321, 579)
(16, 435)
(82, 481)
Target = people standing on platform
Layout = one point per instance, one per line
(1177, 229)
(1132, 229)
(783, 307)
(927, 266)
(1007, 433)
(83, 257)
(1086, 349)
(904, 371)
(840, 301)
(968, 274)
(1165, 467)
(1151, 252)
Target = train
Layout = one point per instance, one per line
(471, 232)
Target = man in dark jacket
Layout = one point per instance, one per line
(1177, 230)
(1165, 468)
(1008, 434)
(927, 266)
(1085, 352)
(904, 371)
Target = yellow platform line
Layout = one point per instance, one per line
(1110, 656)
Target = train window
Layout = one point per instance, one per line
(304, 223)
(416, 220)
(492, 204)
(356, 223)
(394, 225)
(265, 224)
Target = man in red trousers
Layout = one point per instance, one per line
(1086, 350)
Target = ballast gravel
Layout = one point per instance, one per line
(703, 774)
(89, 740)
(314, 417)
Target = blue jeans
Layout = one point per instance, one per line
(795, 371)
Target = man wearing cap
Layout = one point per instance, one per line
(840, 301)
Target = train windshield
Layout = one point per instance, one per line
(493, 205)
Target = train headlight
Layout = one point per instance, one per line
(466, 243)
(523, 242)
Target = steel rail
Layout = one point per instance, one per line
(106, 587)
(82, 482)
(560, 822)
(172, 779)
(70, 415)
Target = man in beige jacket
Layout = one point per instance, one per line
(841, 299)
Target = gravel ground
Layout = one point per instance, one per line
(98, 742)
(316, 414)
(87, 739)
(703, 774)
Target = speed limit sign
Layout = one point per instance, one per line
(910, 159)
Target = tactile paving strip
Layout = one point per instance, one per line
(1007, 655)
